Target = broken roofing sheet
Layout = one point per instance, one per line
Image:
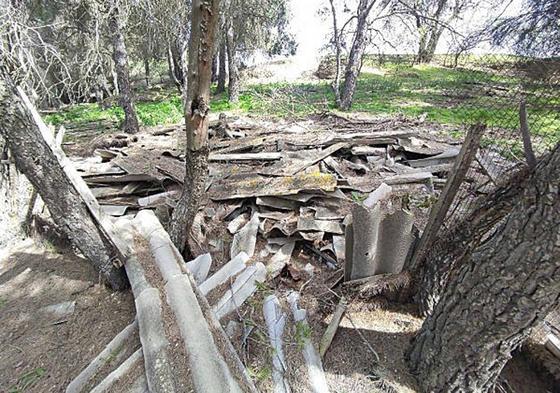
(296, 181)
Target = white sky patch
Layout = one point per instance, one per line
(313, 31)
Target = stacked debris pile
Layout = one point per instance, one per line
(331, 197)
(302, 178)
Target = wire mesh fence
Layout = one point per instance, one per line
(501, 91)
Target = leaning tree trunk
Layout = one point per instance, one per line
(233, 86)
(38, 163)
(120, 57)
(356, 53)
(453, 248)
(505, 288)
(204, 18)
(222, 72)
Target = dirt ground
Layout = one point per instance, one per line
(42, 352)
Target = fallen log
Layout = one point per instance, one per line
(72, 206)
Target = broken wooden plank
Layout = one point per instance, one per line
(249, 185)
(526, 135)
(457, 176)
(329, 334)
(298, 161)
(109, 179)
(446, 157)
(376, 138)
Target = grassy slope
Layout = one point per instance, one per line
(450, 96)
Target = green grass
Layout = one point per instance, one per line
(448, 96)
(27, 380)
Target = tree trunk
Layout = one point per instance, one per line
(430, 31)
(233, 86)
(147, 71)
(38, 163)
(222, 75)
(356, 53)
(507, 286)
(215, 68)
(204, 18)
(120, 58)
(452, 249)
(428, 45)
(175, 74)
(338, 54)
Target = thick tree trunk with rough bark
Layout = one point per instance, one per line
(120, 57)
(222, 66)
(204, 18)
(507, 286)
(356, 53)
(453, 248)
(233, 86)
(38, 163)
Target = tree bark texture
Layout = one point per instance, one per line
(120, 57)
(37, 162)
(222, 66)
(204, 17)
(356, 53)
(508, 285)
(233, 86)
(453, 248)
(338, 54)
